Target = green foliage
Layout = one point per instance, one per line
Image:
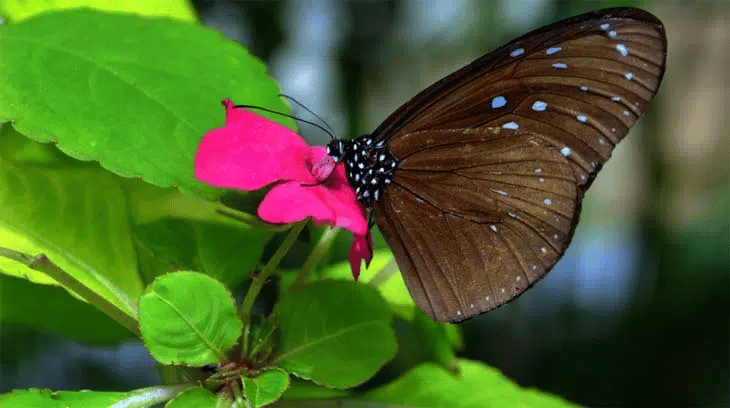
(139, 111)
(334, 333)
(196, 397)
(226, 252)
(79, 241)
(62, 399)
(16, 10)
(475, 385)
(22, 302)
(266, 387)
(76, 217)
(188, 318)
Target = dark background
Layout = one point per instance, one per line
(637, 312)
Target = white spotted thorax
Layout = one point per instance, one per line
(368, 165)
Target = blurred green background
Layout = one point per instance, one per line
(637, 312)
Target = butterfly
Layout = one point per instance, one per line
(476, 183)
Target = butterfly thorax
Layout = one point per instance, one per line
(368, 165)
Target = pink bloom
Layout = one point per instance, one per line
(251, 152)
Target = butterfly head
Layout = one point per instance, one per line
(368, 165)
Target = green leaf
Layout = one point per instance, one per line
(434, 342)
(227, 253)
(301, 389)
(188, 318)
(61, 399)
(16, 10)
(382, 274)
(196, 397)
(51, 307)
(477, 385)
(334, 333)
(74, 214)
(266, 387)
(137, 94)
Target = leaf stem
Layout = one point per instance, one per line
(147, 397)
(43, 264)
(258, 282)
(319, 250)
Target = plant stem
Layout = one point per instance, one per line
(324, 244)
(258, 282)
(148, 397)
(125, 316)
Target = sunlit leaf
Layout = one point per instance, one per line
(475, 386)
(137, 93)
(188, 318)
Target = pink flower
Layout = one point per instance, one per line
(251, 152)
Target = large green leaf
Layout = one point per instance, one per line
(300, 389)
(334, 333)
(137, 94)
(16, 10)
(188, 318)
(225, 252)
(35, 398)
(476, 386)
(75, 215)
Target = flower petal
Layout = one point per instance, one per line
(362, 249)
(332, 202)
(251, 152)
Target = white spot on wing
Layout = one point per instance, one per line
(612, 34)
(565, 151)
(493, 227)
(544, 250)
(582, 118)
(498, 102)
(616, 98)
(560, 65)
(622, 49)
(511, 125)
(539, 106)
(538, 170)
(584, 88)
(629, 75)
(517, 52)
(548, 201)
(552, 50)
(604, 26)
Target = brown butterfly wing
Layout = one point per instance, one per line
(489, 146)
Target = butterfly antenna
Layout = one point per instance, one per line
(287, 116)
(301, 105)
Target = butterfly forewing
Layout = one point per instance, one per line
(580, 83)
(493, 160)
